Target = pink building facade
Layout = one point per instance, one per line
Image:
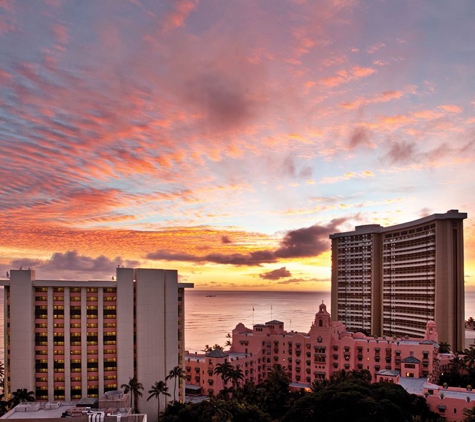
(326, 349)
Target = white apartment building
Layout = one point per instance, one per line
(67, 340)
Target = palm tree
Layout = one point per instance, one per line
(176, 373)
(224, 369)
(159, 388)
(2, 376)
(134, 387)
(4, 405)
(216, 411)
(21, 395)
(469, 357)
(236, 375)
(469, 414)
(444, 347)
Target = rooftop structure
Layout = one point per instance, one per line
(390, 281)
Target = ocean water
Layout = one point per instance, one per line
(209, 319)
(210, 316)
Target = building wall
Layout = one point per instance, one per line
(20, 303)
(416, 272)
(326, 349)
(65, 340)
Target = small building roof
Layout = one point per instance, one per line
(216, 353)
(388, 373)
(274, 321)
(411, 359)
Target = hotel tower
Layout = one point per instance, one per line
(390, 281)
(67, 340)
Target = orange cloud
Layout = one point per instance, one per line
(344, 76)
(381, 98)
(450, 108)
(347, 176)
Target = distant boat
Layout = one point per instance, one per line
(210, 295)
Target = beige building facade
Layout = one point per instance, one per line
(67, 340)
(389, 281)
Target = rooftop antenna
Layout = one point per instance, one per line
(253, 316)
(271, 313)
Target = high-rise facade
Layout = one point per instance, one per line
(392, 280)
(66, 340)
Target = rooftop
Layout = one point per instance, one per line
(55, 410)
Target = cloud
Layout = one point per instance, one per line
(451, 108)
(383, 97)
(177, 17)
(360, 137)
(69, 263)
(308, 241)
(253, 258)
(375, 47)
(303, 280)
(347, 176)
(344, 76)
(301, 243)
(276, 274)
(289, 168)
(225, 240)
(401, 152)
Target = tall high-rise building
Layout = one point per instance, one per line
(392, 280)
(67, 340)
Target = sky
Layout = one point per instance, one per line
(228, 138)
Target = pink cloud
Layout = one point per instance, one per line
(451, 108)
(177, 17)
(375, 47)
(344, 76)
(380, 98)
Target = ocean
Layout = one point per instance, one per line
(211, 315)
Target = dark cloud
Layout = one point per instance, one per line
(224, 99)
(300, 243)
(401, 153)
(253, 258)
(302, 280)
(289, 168)
(359, 137)
(306, 242)
(167, 256)
(225, 240)
(276, 274)
(64, 265)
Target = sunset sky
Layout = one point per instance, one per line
(228, 138)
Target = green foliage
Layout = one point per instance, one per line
(21, 395)
(176, 373)
(135, 388)
(348, 396)
(358, 400)
(158, 389)
(462, 372)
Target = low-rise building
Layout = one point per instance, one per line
(326, 349)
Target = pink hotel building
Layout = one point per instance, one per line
(66, 340)
(326, 349)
